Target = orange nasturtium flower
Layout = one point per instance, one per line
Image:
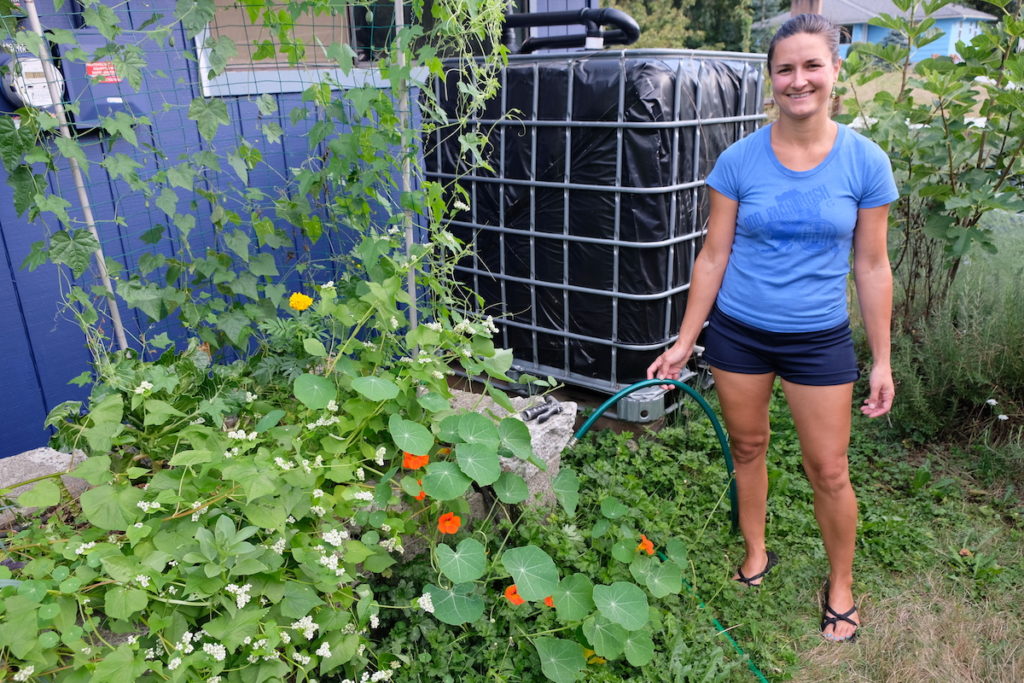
(645, 545)
(300, 301)
(549, 601)
(422, 494)
(414, 462)
(449, 523)
(512, 595)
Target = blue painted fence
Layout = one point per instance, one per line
(41, 349)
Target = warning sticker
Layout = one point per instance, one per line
(102, 72)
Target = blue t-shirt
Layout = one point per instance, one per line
(794, 229)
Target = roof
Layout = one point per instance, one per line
(842, 12)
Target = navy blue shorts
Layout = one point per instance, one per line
(823, 358)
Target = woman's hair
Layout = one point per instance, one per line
(814, 24)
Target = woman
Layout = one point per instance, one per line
(788, 203)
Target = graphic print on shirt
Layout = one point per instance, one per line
(795, 223)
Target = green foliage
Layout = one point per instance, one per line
(955, 150)
(662, 24)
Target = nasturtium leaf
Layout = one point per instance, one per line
(375, 388)
(639, 648)
(612, 508)
(624, 551)
(567, 490)
(665, 578)
(479, 462)
(314, 391)
(605, 637)
(314, 347)
(119, 567)
(269, 420)
(433, 402)
(675, 549)
(624, 603)
(574, 598)
(562, 661)
(121, 602)
(44, 494)
(511, 488)
(448, 429)
(444, 481)
(641, 567)
(475, 428)
(515, 436)
(533, 571)
(456, 606)
(410, 436)
(465, 563)
(111, 507)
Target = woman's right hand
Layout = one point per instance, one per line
(669, 365)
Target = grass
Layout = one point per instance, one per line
(938, 559)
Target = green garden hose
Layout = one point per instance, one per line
(726, 454)
(722, 439)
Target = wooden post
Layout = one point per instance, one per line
(804, 7)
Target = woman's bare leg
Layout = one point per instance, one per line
(744, 400)
(822, 418)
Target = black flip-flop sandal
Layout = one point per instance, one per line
(748, 581)
(830, 617)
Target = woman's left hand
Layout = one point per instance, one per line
(882, 392)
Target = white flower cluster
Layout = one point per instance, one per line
(213, 679)
(361, 474)
(85, 547)
(185, 644)
(199, 510)
(363, 495)
(382, 675)
(317, 510)
(324, 650)
(283, 464)
(460, 205)
(437, 374)
(378, 456)
(331, 562)
(394, 323)
(332, 406)
(148, 506)
(143, 387)
(318, 493)
(198, 421)
(142, 580)
(278, 546)
(328, 285)
(23, 674)
(302, 659)
(217, 651)
(392, 545)
(174, 664)
(426, 603)
(231, 452)
(250, 397)
(307, 626)
(425, 359)
(374, 621)
(242, 436)
(325, 421)
(335, 537)
(241, 594)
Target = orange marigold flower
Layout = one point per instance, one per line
(512, 595)
(449, 523)
(414, 462)
(645, 545)
(300, 301)
(549, 601)
(422, 494)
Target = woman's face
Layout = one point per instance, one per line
(803, 73)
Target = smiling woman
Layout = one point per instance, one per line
(788, 204)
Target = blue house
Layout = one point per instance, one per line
(957, 23)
